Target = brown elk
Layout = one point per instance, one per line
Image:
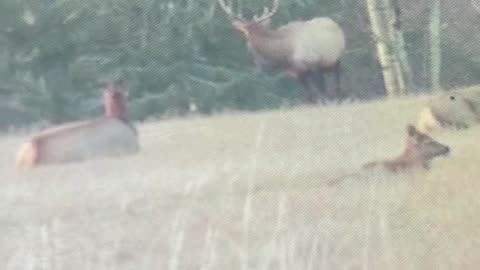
(419, 152)
(110, 135)
(305, 50)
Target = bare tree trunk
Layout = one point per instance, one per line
(401, 48)
(435, 47)
(384, 51)
(386, 27)
(392, 38)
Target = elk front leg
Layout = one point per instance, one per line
(321, 85)
(311, 93)
(338, 89)
(314, 81)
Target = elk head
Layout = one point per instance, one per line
(424, 147)
(257, 23)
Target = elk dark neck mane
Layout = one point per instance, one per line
(273, 47)
(114, 103)
(410, 154)
(410, 157)
(115, 108)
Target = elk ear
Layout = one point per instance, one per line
(411, 130)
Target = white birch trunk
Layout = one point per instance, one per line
(435, 47)
(385, 55)
(400, 48)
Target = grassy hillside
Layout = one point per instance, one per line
(248, 191)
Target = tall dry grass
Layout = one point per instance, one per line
(248, 191)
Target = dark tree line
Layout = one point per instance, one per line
(54, 54)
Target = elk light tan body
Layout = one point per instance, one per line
(457, 109)
(110, 135)
(420, 150)
(303, 49)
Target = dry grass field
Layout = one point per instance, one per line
(248, 191)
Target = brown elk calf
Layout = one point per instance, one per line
(420, 150)
(305, 50)
(110, 135)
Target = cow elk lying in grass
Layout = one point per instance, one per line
(420, 150)
(304, 49)
(457, 109)
(110, 135)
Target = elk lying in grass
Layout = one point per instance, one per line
(110, 135)
(304, 49)
(419, 152)
(458, 109)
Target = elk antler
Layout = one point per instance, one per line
(228, 10)
(267, 13)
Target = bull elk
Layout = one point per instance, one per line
(305, 50)
(109, 135)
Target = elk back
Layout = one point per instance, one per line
(320, 42)
(80, 141)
